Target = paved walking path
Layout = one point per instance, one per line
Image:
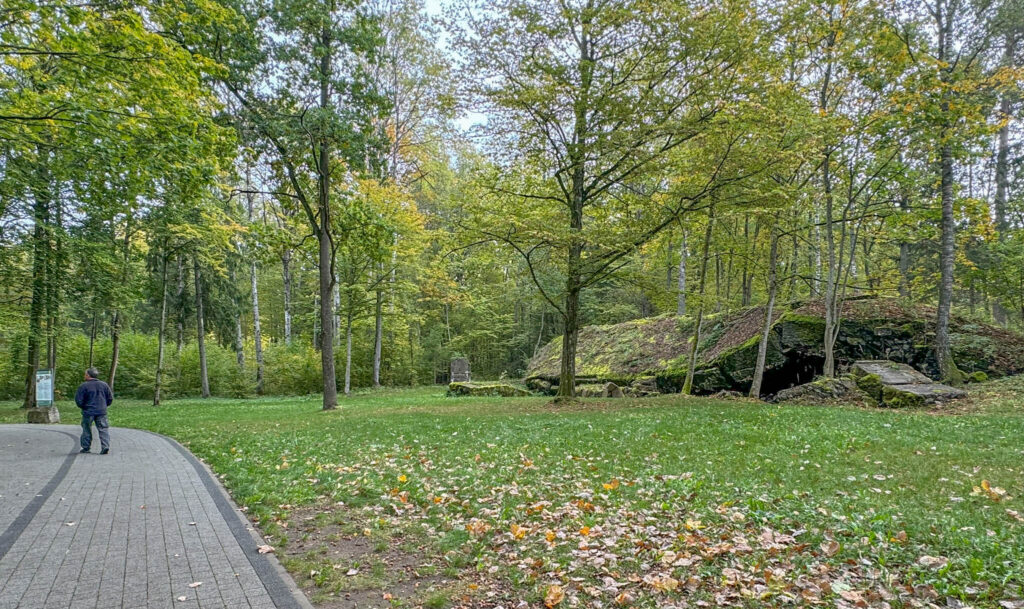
(131, 529)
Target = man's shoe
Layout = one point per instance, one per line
(84, 450)
(105, 451)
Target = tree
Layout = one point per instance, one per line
(317, 116)
(594, 95)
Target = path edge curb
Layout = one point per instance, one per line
(282, 588)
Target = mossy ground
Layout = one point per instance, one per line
(487, 501)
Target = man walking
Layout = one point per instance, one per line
(93, 397)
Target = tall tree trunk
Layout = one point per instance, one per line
(1003, 170)
(762, 347)
(947, 253)
(701, 289)
(943, 351)
(53, 290)
(161, 333)
(92, 339)
(336, 298)
(577, 201)
(378, 336)
(348, 345)
(254, 293)
(257, 334)
(681, 279)
(239, 342)
(179, 300)
(40, 251)
(286, 275)
(115, 328)
(831, 303)
(326, 253)
(115, 346)
(204, 379)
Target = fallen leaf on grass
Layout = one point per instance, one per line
(664, 583)
(1012, 604)
(830, 548)
(265, 549)
(477, 527)
(933, 562)
(1015, 515)
(352, 572)
(992, 492)
(554, 596)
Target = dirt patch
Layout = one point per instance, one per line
(339, 566)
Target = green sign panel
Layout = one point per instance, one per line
(44, 388)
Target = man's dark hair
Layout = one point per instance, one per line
(93, 373)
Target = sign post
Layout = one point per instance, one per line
(44, 388)
(45, 410)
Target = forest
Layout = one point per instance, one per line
(243, 197)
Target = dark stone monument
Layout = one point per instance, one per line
(460, 370)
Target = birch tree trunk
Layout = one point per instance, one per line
(286, 276)
(161, 334)
(257, 334)
(204, 380)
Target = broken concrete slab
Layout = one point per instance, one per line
(897, 385)
(888, 372)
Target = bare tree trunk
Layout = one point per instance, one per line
(257, 334)
(204, 379)
(92, 339)
(115, 347)
(832, 304)
(254, 294)
(681, 279)
(161, 333)
(701, 285)
(286, 275)
(378, 337)
(179, 299)
(947, 253)
(239, 342)
(115, 329)
(336, 298)
(40, 252)
(762, 348)
(943, 352)
(1003, 171)
(348, 346)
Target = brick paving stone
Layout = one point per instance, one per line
(90, 531)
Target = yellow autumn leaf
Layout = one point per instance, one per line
(554, 596)
(611, 486)
(664, 583)
(517, 531)
(585, 531)
(403, 478)
(550, 536)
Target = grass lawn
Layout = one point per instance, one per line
(408, 498)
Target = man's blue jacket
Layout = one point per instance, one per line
(93, 397)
